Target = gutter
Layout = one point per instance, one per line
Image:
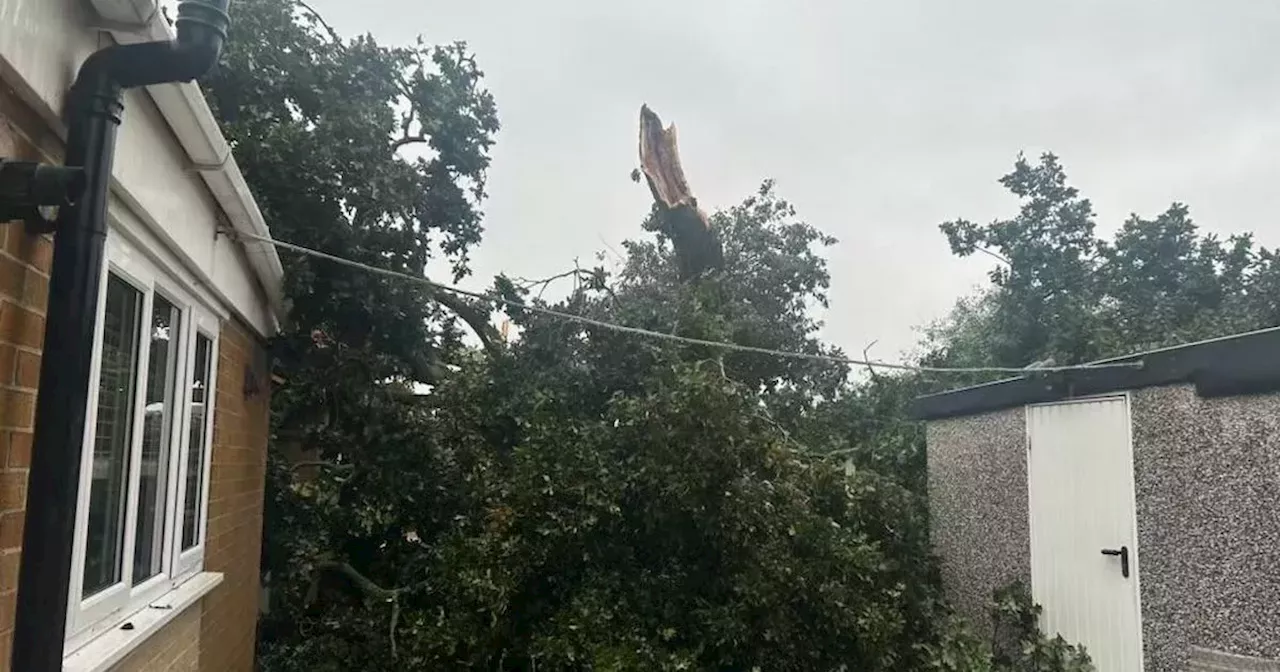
(184, 108)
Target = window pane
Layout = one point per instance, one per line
(112, 436)
(157, 427)
(195, 449)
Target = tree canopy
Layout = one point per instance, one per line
(377, 152)
(1064, 293)
(580, 498)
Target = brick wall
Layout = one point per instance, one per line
(24, 290)
(174, 649)
(241, 424)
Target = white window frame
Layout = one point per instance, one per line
(144, 271)
(190, 561)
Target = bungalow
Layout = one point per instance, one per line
(132, 458)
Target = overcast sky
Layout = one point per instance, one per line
(879, 120)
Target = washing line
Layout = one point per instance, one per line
(658, 335)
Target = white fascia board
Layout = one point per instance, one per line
(127, 12)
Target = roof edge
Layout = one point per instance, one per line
(1246, 363)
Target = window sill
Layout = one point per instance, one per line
(112, 646)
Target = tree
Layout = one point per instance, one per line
(1046, 286)
(1061, 292)
(676, 210)
(592, 500)
(1166, 284)
(376, 153)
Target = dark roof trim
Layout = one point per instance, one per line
(1242, 364)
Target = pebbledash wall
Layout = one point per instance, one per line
(170, 204)
(1206, 463)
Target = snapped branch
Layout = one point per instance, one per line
(697, 247)
(370, 590)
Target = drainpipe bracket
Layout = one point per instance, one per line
(33, 192)
(224, 228)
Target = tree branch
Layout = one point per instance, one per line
(370, 589)
(407, 140)
(993, 255)
(364, 583)
(303, 464)
(333, 34)
(875, 377)
(835, 453)
(475, 318)
(395, 620)
(526, 283)
(697, 247)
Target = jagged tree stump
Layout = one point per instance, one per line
(697, 248)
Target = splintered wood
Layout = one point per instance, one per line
(697, 248)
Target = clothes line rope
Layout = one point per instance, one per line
(658, 335)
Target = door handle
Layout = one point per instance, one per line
(1123, 552)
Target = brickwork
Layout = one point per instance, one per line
(241, 424)
(24, 290)
(176, 648)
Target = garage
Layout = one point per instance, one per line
(1141, 504)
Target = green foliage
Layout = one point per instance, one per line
(377, 153)
(1068, 295)
(588, 500)
(1016, 643)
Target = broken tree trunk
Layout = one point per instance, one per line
(697, 248)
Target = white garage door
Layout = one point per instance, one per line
(1083, 537)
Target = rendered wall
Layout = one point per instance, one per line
(978, 506)
(1208, 499)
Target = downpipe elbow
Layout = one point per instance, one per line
(202, 30)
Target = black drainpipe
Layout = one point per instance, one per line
(95, 106)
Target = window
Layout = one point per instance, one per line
(144, 475)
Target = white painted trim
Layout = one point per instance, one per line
(173, 463)
(86, 460)
(1136, 560)
(192, 559)
(182, 452)
(127, 12)
(111, 647)
(136, 437)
